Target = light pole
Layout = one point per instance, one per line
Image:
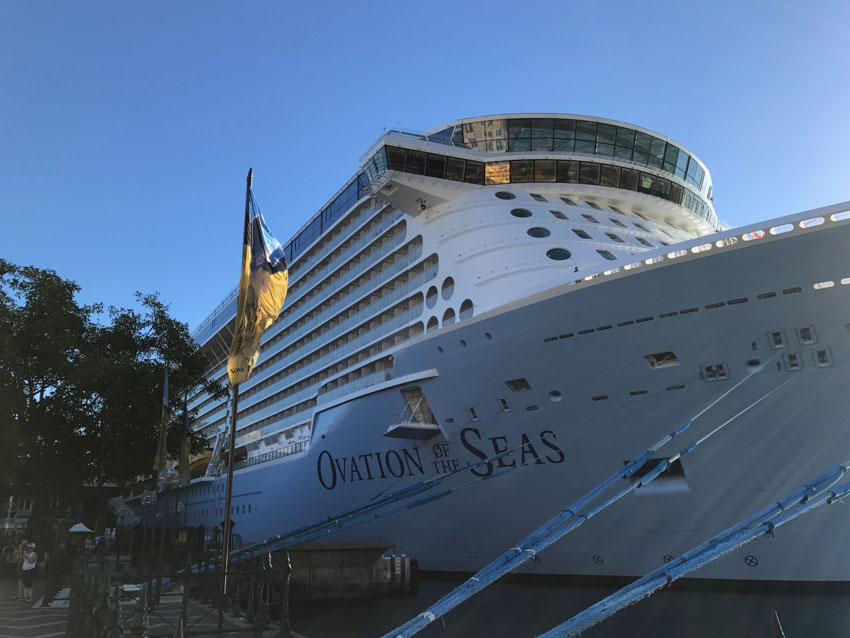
(168, 478)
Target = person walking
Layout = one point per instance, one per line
(28, 571)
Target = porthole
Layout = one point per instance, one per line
(448, 317)
(433, 324)
(489, 337)
(555, 396)
(465, 309)
(558, 254)
(448, 288)
(431, 297)
(505, 195)
(521, 212)
(538, 232)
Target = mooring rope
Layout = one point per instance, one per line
(797, 503)
(563, 523)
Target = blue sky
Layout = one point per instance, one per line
(127, 129)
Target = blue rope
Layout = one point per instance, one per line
(796, 504)
(562, 524)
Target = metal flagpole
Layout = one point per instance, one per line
(228, 531)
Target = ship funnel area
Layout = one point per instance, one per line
(796, 503)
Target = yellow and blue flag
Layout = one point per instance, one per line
(262, 289)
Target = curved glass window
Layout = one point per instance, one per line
(431, 297)
(558, 254)
(433, 324)
(465, 309)
(558, 214)
(538, 232)
(448, 288)
(607, 255)
(616, 238)
(523, 135)
(565, 171)
(448, 317)
(521, 212)
(581, 233)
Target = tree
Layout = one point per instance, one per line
(82, 391)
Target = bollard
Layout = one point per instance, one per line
(138, 625)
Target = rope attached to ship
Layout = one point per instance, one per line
(763, 523)
(568, 520)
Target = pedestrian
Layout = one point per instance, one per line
(19, 563)
(28, 571)
(88, 547)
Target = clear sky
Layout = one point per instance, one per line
(127, 129)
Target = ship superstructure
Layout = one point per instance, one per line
(558, 287)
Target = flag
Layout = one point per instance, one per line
(185, 446)
(262, 289)
(162, 447)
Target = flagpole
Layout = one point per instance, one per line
(225, 559)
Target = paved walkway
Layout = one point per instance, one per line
(20, 619)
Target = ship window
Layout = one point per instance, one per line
(504, 406)
(466, 309)
(588, 173)
(591, 218)
(714, 372)
(448, 288)
(415, 162)
(518, 385)
(568, 201)
(475, 175)
(615, 209)
(793, 361)
(448, 317)
(433, 324)
(558, 214)
(644, 242)
(539, 198)
(567, 172)
(473, 415)
(454, 169)
(616, 238)
(607, 255)
(581, 233)
(806, 335)
(522, 171)
(558, 254)
(661, 360)
(823, 358)
(416, 408)
(521, 212)
(776, 339)
(497, 173)
(431, 297)
(641, 226)
(435, 166)
(609, 175)
(617, 222)
(544, 171)
(538, 232)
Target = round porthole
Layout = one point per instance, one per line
(433, 324)
(538, 232)
(448, 288)
(558, 254)
(466, 309)
(521, 212)
(431, 297)
(555, 396)
(505, 195)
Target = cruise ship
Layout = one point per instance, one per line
(546, 296)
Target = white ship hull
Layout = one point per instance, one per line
(566, 444)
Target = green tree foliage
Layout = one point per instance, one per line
(82, 391)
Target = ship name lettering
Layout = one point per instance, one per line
(352, 469)
(471, 437)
